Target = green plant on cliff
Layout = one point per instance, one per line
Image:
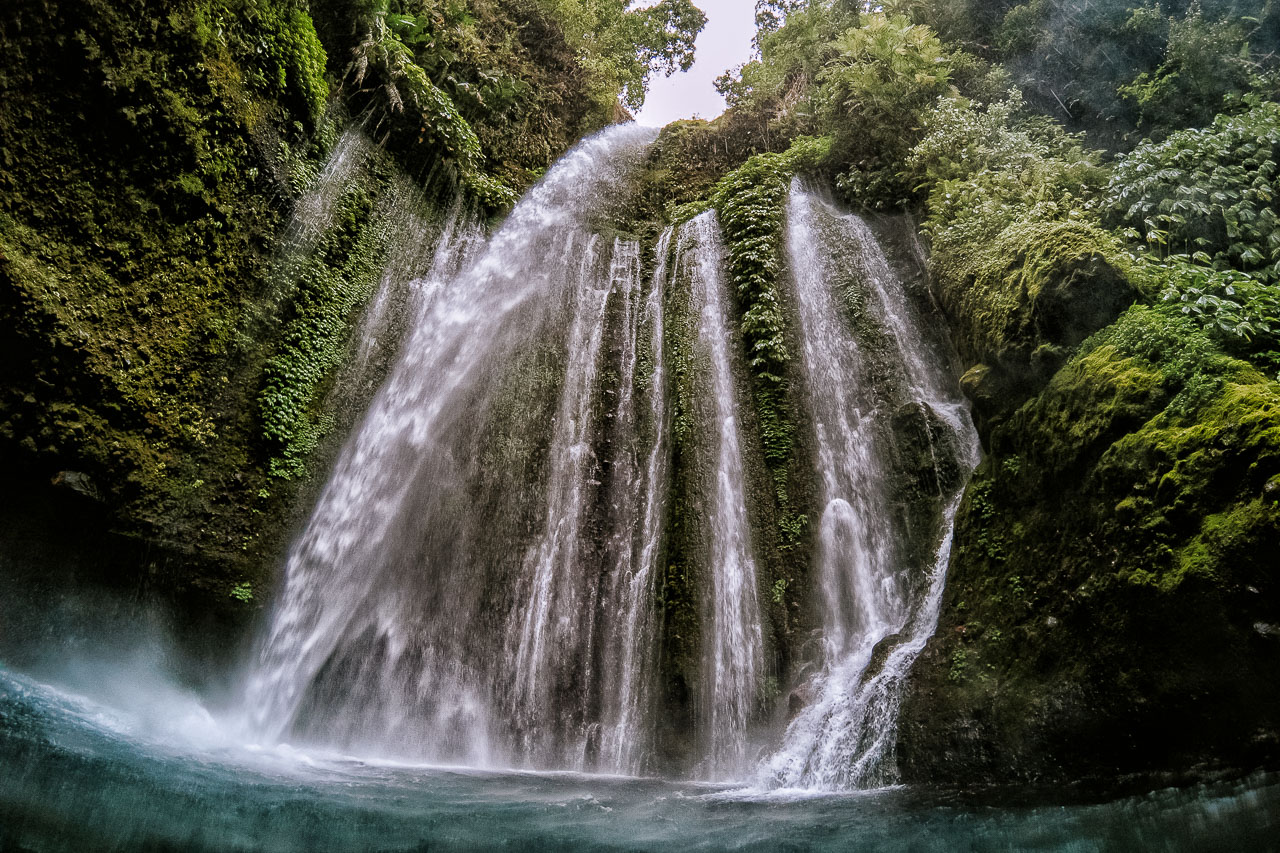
(1109, 67)
(750, 202)
(331, 284)
(468, 88)
(285, 55)
(1018, 251)
(1203, 439)
(885, 74)
(1206, 61)
(1240, 311)
(1208, 190)
(781, 85)
(984, 168)
(382, 52)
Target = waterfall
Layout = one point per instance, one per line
(633, 551)
(558, 609)
(436, 605)
(864, 356)
(732, 634)
(479, 581)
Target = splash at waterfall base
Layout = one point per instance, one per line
(83, 776)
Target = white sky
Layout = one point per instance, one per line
(723, 44)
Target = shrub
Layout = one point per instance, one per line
(1210, 190)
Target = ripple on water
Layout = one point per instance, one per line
(80, 776)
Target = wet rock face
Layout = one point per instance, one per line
(1081, 298)
(926, 453)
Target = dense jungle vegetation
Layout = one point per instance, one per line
(1096, 181)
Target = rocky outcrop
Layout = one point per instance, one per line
(1113, 561)
(1020, 306)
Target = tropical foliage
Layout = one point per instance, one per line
(1207, 192)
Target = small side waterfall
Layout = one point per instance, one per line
(865, 358)
(315, 210)
(409, 624)
(732, 635)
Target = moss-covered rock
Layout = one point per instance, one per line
(1019, 306)
(685, 557)
(1113, 573)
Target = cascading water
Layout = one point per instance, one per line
(556, 612)
(633, 551)
(478, 581)
(878, 610)
(405, 624)
(732, 635)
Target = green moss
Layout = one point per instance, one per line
(1007, 297)
(331, 285)
(681, 577)
(1227, 542)
(269, 47)
(130, 264)
(750, 202)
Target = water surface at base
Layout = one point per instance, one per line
(79, 776)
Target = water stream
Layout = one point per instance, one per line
(638, 482)
(732, 634)
(861, 366)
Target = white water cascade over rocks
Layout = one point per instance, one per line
(865, 360)
(486, 579)
(639, 479)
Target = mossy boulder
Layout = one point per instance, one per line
(1113, 574)
(1020, 306)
